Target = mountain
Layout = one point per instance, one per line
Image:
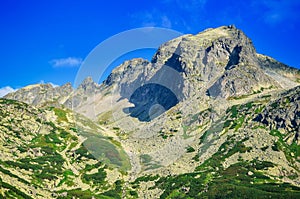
(207, 117)
(41, 93)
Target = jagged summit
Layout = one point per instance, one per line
(87, 80)
(222, 55)
(220, 32)
(38, 94)
(133, 66)
(88, 86)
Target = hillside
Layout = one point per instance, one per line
(207, 110)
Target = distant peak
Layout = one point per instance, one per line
(88, 80)
(41, 85)
(89, 86)
(67, 85)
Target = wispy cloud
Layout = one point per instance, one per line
(190, 5)
(166, 22)
(152, 17)
(5, 90)
(177, 14)
(66, 62)
(279, 11)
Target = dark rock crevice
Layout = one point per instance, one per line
(150, 101)
(234, 58)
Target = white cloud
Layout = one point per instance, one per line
(5, 90)
(66, 62)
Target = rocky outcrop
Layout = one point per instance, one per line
(283, 114)
(87, 89)
(267, 62)
(41, 93)
(240, 80)
(288, 77)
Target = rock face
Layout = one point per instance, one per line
(41, 93)
(286, 76)
(284, 114)
(150, 101)
(151, 89)
(88, 88)
(223, 58)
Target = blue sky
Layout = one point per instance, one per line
(46, 41)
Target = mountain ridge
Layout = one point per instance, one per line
(207, 109)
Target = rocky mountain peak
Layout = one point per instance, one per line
(88, 86)
(38, 94)
(126, 70)
(67, 85)
(220, 62)
(222, 59)
(87, 81)
(224, 46)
